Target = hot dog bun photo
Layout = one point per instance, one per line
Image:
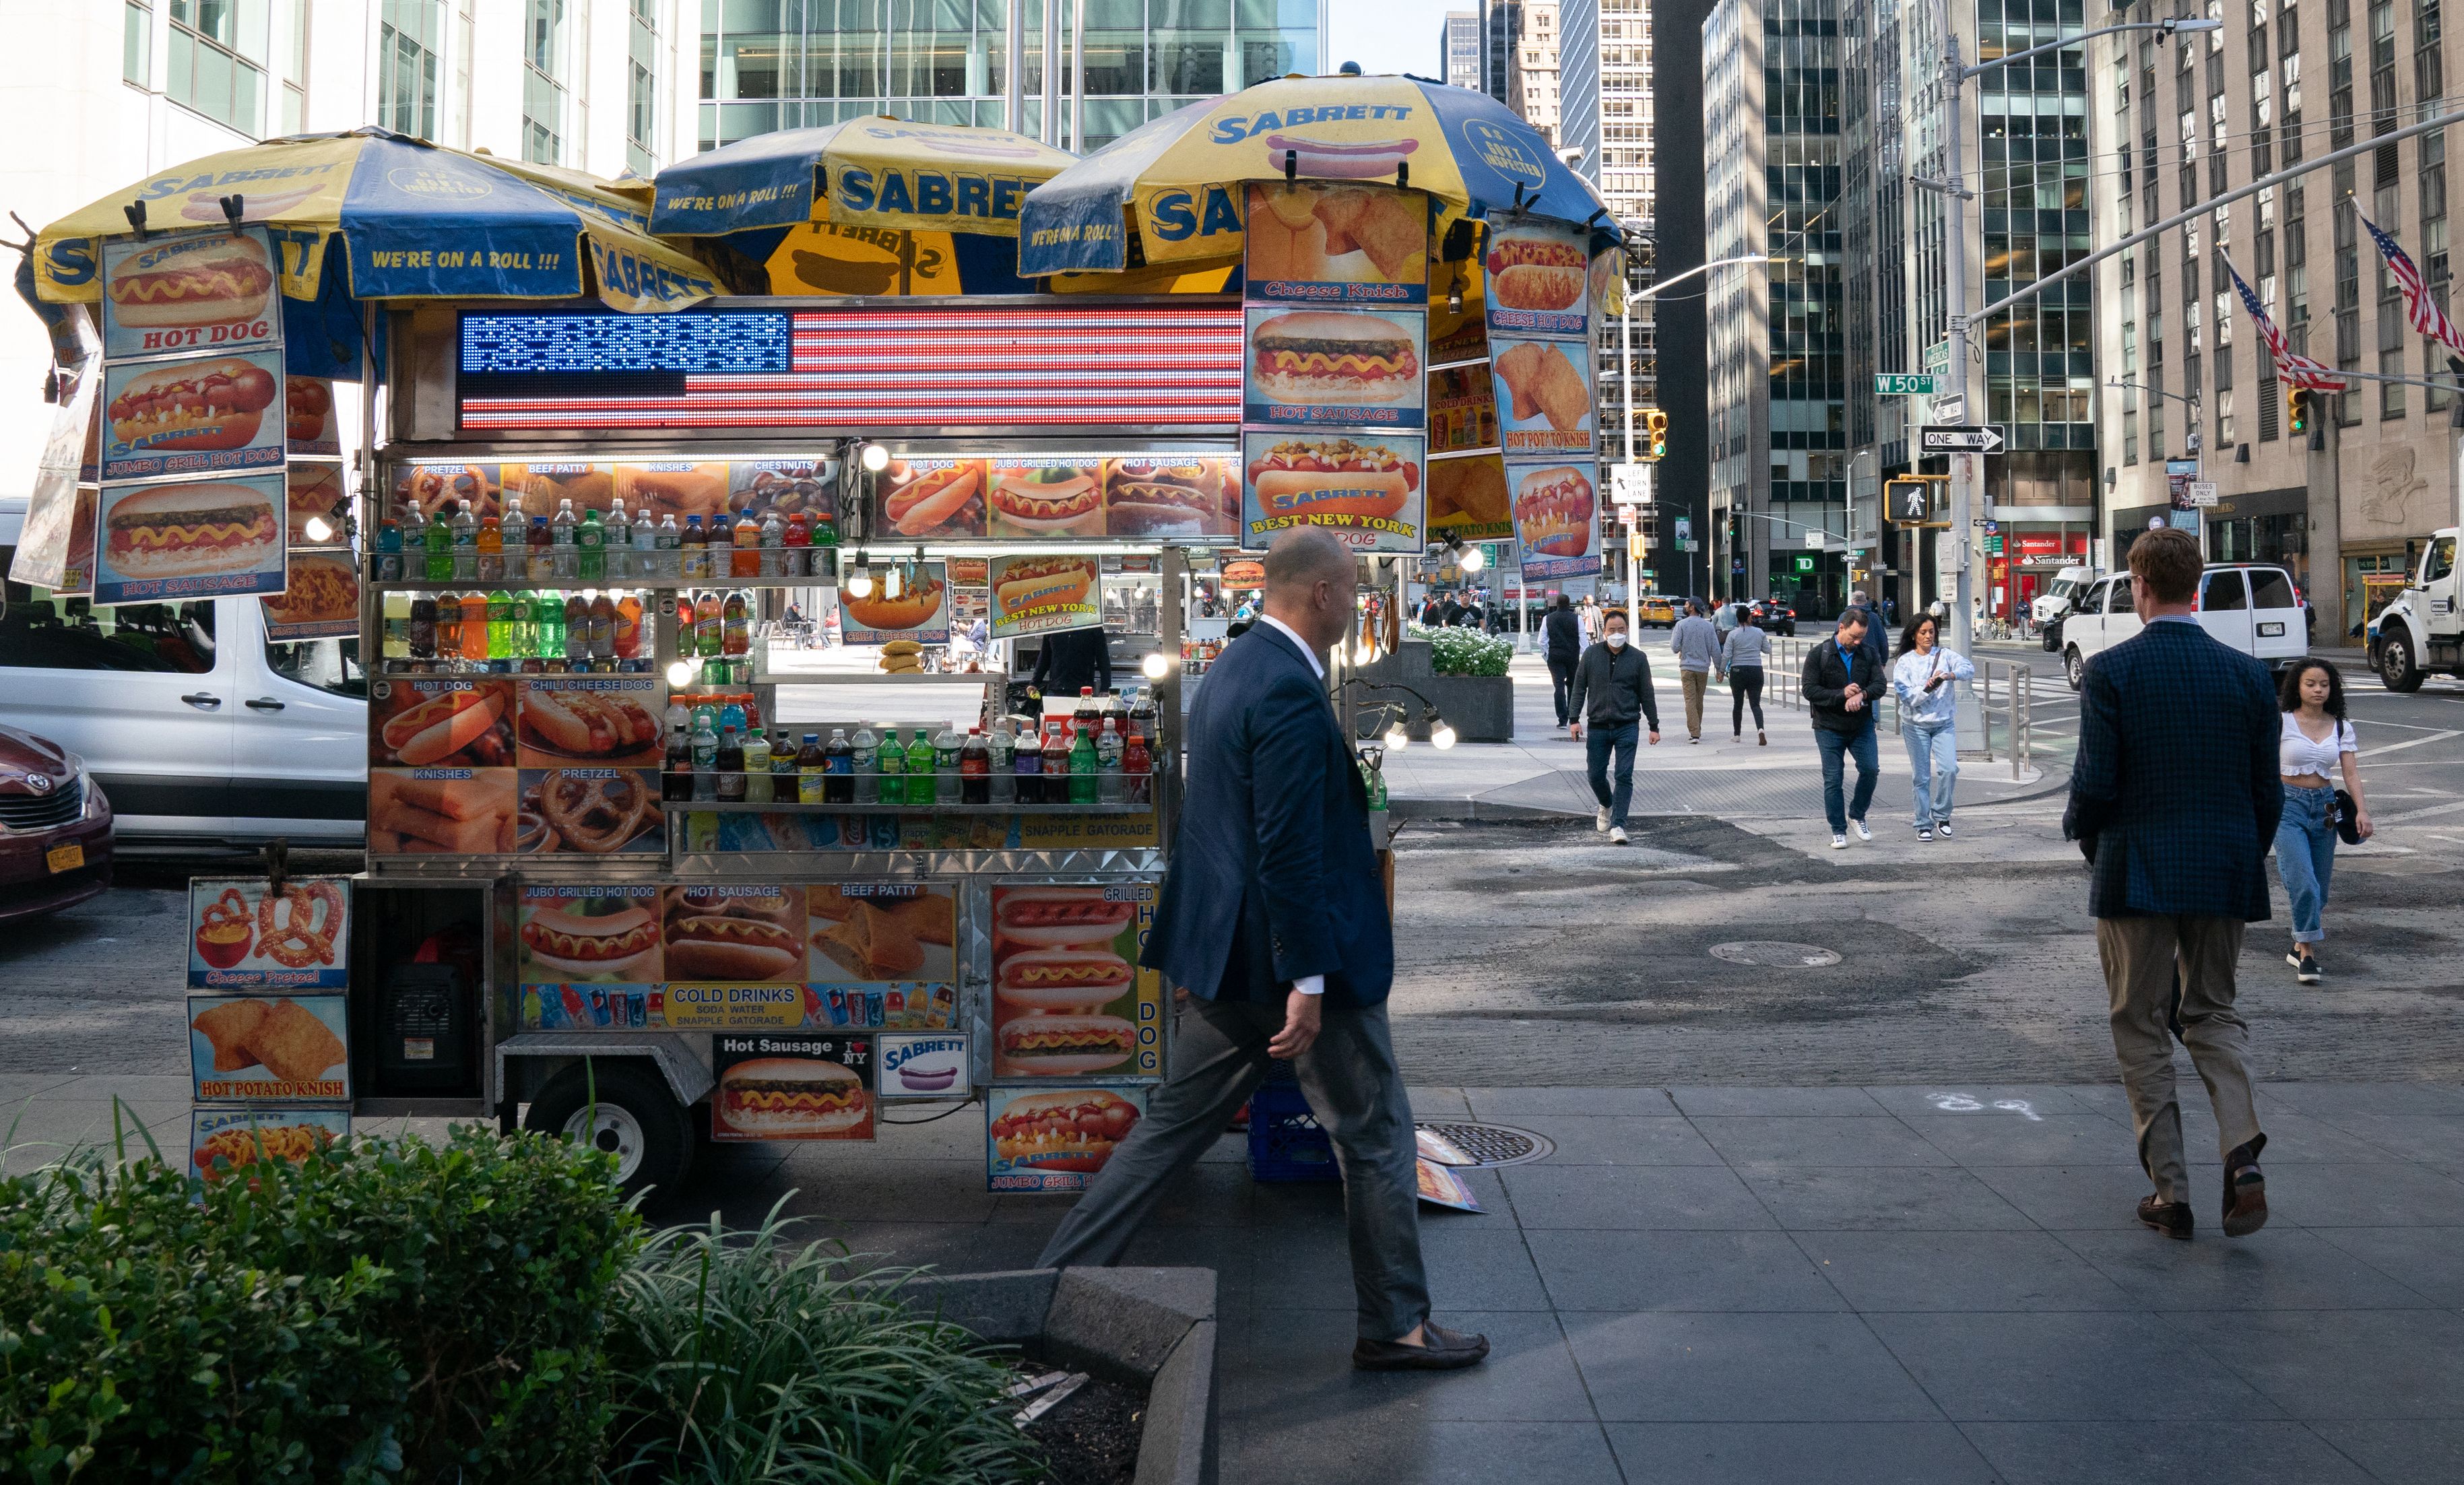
(1072, 1129)
(1049, 917)
(1332, 476)
(219, 278)
(1167, 497)
(1045, 500)
(1062, 1046)
(1061, 979)
(563, 944)
(445, 722)
(182, 530)
(786, 1098)
(918, 600)
(1025, 584)
(1326, 159)
(1318, 358)
(1553, 512)
(944, 501)
(735, 934)
(1537, 273)
(192, 406)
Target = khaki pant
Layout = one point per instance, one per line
(1695, 683)
(2140, 957)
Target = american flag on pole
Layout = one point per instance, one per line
(2426, 316)
(2291, 368)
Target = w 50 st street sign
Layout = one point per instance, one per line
(1974, 438)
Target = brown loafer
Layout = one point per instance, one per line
(1447, 1350)
(2172, 1218)
(2245, 1200)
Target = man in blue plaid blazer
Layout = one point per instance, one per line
(2174, 797)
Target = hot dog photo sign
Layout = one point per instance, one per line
(1040, 595)
(189, 292)
(203, 415)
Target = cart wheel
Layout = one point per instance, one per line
(636, 1120)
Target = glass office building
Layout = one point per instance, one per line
(786, 64)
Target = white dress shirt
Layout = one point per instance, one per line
(1307, 984)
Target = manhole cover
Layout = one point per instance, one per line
(1772, 954)
(1481, 1144)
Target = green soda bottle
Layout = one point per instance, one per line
(920, 769)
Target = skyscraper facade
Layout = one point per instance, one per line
(1460, 46)
(784, 64)
(1501, 26)
(1531, 73)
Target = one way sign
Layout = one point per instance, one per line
(1980, 439)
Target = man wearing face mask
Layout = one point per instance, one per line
(1612, 695)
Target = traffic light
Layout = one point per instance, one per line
(2297, 409)
(1654, 429)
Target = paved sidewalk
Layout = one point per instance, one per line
(1543, 770)
(1931, 1283)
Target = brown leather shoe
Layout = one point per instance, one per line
(2172, 1218)
(1447, 1350)
(2245, 1190)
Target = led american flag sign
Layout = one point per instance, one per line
(1054, 366)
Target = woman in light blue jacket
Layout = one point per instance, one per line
(1925, 679)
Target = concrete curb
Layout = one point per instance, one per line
(1151, 1327)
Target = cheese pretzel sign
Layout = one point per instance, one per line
(306, 934)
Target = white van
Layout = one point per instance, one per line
(202, 731)
(2251, 606)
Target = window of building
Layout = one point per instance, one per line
(642, 90)
(293, 51)
(2130, 435)
(136, 44)
(408, 36)
(546, 41)
(217, 60)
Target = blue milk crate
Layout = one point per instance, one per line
(1285, 1144)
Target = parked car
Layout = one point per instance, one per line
(203, 732)
(1773, 615)
(55, 828)
(2250, 606)
(2050, 606)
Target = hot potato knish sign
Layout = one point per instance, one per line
(1538, 311)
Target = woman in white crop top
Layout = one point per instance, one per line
(2317, 744)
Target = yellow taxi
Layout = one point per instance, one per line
(1657, 609)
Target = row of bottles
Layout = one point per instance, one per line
(517, 632)
(723, 754)
(461, 546)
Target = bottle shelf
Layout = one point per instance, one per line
(574, 584)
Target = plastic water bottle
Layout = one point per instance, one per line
(466, 543)
(560, 536)
(1108, 765)
(758, 779)
(946, 744)
(1001, 749)
(867, 764)
(669, 547)
(390, 550)
(705, 756)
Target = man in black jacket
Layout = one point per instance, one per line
(1563, 636)
(1072, 660)
(1841, 682)
(1612, 690)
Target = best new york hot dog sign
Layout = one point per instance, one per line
(1040, 595)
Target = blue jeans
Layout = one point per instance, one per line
(1596, 743)
(2305, 858)
(1933, 768)
(1836, 748)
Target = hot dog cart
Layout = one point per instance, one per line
(577, 521)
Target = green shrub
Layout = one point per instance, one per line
(747, 1357)
(1468, 652)
(387, 1309)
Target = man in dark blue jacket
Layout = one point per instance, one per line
(1273, 918)
(1841, 681)
(2174, 798)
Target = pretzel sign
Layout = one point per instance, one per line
(312, 917)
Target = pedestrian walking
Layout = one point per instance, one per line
(1743, 654)
(1876, 643)
(1273, 918)
(1724, 619)
(2175, 793)
(1590, 616)
(2317, 745)
(1562, 637)
(1925, 679)
(1613, 697)
(1697, 647)
(1840, 683)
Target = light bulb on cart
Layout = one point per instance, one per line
(1396, 739)
(876, 458)
(317, 529)
(1473, 559)
(1440, 735)
(859, 583)
(1155, 665)
(680, 672)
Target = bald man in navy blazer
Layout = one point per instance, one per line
(1273, 918)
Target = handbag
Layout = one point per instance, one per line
(2341, 816)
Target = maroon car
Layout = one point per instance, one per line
(55, 828)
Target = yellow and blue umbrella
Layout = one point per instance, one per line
(414, 221)
(878, 206)
(1175, 182)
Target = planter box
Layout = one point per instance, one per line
(1481, 707)
(1143, 1327)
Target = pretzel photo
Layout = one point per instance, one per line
(224, 931)
(305, 935)
(594, 816)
